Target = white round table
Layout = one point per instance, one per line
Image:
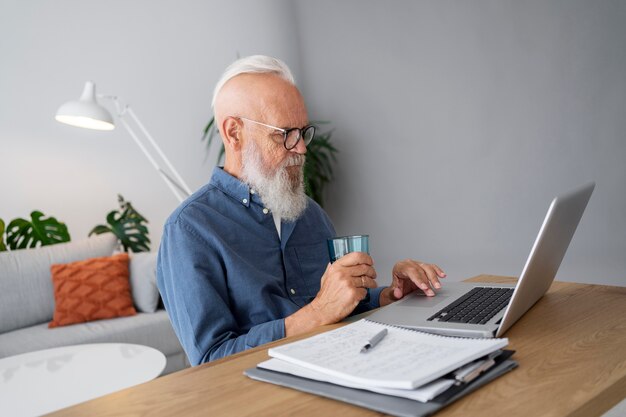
(40, 382)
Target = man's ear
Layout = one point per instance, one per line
(232, 131)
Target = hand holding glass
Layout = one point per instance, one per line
(340, 246)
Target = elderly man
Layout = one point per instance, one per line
(243, 261)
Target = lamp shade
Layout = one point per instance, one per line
(86, 112)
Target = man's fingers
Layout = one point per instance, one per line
(431, 273)
(364, 282)
(410, 275)
(398, 291)
(439, 271)
(418, 276)
(367, 270)
(355, 258)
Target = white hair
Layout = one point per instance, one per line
(253, 64)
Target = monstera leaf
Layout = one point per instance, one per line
(39, 231)
(129, 227)
(3, 247)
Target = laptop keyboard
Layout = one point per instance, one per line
(477, 306)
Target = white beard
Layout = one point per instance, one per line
(282, 194)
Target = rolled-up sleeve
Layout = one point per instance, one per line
(192, 280)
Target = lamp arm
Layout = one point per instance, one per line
(171, 180)
(172, 185)
(178, 187)
(159, 151)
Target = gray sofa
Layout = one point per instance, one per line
(27, 303)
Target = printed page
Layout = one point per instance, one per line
(404, 359)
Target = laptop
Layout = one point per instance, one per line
(489, 310)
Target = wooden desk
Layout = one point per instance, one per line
(571, 348)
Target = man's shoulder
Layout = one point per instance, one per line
(314, 208)
(315, 212)
(200, 204)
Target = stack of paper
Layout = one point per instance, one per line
(424, 393)
(405, 363)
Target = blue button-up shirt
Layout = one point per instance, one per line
(227, 279)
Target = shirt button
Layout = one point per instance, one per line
(245, 201)
(265, 211)
(252, 192)
(293, 292)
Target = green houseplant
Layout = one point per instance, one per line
(318, 168)
(38, 231)
(3, 246)
(127, 224)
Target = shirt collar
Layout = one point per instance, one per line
(230, 185)
(240, 191)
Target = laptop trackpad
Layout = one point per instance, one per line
(418, 299)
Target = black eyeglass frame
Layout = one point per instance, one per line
(285, 132)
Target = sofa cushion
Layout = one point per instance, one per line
(26, 296)
(93, 289)
(149, 329)
(143, 281)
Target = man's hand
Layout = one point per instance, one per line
(410, 275)
(343, 285)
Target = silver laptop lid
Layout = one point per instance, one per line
(547, 253)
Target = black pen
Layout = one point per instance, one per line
(374, 341)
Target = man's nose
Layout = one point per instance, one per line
(300, 147)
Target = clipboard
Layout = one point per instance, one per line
(401, 407)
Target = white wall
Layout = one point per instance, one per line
(458, 122)
(163, 57)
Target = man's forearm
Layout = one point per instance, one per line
(302, 321)
(308, 317)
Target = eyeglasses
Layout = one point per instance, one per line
(292, 135)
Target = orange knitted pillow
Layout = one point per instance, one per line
(92, 289)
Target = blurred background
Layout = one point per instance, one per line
(456, 122)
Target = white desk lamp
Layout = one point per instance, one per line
(87, 113)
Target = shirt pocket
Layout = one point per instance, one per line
(312, 261)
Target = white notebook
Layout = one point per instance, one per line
(404, 359)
